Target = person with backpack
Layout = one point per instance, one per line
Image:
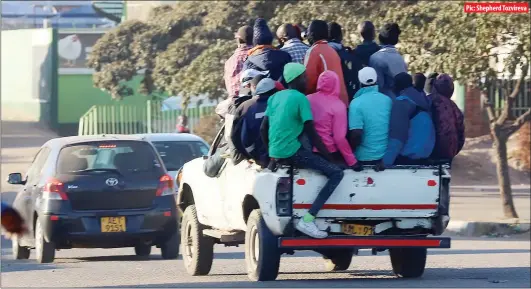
(287, 116)
(447, 119)
(387, 61)
(411, 129)
(330, 118)
(368, 120)
(263, 56)
(350, 64)
(320, 57)
(368, 47)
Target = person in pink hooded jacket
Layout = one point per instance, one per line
(330, 118)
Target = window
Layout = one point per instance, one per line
(124, 157)
(175, 154)
(37, 166)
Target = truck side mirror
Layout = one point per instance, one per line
(15, 179)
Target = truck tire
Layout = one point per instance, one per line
(19, 252)
(142, 250)
(262, 256)
(408, 262)
(170, 249)
(338, 260)
(44, 251)
(198, 250)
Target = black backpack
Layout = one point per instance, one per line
(350, 65)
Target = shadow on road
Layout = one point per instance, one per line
(25, 265)
(487, 277)
(119, 258)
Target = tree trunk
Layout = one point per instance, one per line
(504, 181)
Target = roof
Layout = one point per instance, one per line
(64, 141)
(171, 137)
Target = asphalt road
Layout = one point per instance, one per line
(470, 263)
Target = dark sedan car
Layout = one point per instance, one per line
(96, 192)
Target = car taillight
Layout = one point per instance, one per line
(284, 196)
(165, 186)
(54, 190)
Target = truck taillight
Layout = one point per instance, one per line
(165, 186)
(54, 190)
(284, 196)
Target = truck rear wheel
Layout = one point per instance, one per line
(262, 256)
(338, 260)
(408, 262)
(198, 250)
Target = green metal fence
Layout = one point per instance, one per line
(497, 95)
(134, 119)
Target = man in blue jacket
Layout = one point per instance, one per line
(411, 130)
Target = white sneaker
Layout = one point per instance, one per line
(310, 229)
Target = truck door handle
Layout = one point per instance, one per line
(446, 174)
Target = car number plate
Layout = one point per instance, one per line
(113, 224)
(358, 230)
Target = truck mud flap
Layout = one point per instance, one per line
(378, 242)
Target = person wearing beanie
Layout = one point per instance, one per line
(287, 117)
(350, 64)
(368, 47)
(321, 57)
(387, 61)
(411, 129)
(289, 37)
(447, 118)
(428, 87)
(368, 120)
(234, 65)
(263, 56)
(330, 118)
(251, 122)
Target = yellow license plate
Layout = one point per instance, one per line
(113, 224)
(358, 230)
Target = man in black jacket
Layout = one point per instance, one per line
(368, 47)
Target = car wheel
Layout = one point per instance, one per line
(262, 256)
(338, 260)
(408, 262)
(198, 250)
(19, 253)
(44, 251)
(170, 249)
(143, 250)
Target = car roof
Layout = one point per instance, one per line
(69, 140)
(171, 137)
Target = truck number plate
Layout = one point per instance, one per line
(358, 230)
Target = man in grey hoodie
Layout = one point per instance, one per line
(387, 61)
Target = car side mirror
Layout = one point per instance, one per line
(15, 179)
(205, 157)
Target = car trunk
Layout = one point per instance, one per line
(394, 193)
(95, 192)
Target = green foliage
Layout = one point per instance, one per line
(182, 48)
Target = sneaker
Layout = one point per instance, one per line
(310, 229)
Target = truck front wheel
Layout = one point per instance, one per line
(262, 256)
(198, 250)
(338, 260)
(408, 262)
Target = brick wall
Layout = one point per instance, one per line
(476, 122)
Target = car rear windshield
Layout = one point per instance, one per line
(122, 157)
(175, 154)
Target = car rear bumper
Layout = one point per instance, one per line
(83, 230)
(357, 242)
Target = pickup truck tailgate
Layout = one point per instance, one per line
(406, 193)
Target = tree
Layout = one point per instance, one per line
(476, 49)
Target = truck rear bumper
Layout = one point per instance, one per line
(377, 242)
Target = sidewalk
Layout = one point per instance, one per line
(480, 213)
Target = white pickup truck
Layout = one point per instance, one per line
(394, 210)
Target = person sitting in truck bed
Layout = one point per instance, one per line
(411, 129)
(330, 118)
(368, 120)
(288, 114)
(251, 122)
